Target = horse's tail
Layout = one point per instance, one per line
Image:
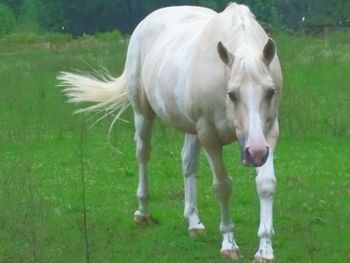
(108, 94)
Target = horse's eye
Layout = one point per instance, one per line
(233, 96)
(270, 93)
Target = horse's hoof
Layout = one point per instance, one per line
(232, 254)
(143, 220)
(263, 260)
(196, 232)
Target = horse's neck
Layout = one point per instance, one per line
(233, 31)
(237, 29)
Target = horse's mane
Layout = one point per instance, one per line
(246, 45)
(242, 8)
(242, 22)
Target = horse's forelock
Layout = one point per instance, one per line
(251, 67)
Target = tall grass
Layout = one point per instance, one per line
(41, 204)
(40, 189)
(316, 92)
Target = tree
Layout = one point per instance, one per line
(51, 15)
(90, 16)
(14, 5)
(29, 14)
(7, 20)
(217, 5)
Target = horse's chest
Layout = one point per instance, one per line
(225, 132)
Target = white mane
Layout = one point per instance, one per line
(242, 22)
(246, 44)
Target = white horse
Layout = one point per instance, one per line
(217, 78)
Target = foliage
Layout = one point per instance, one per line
(266, 11)
(7, 20)
(21, 38)
(51, 16)
(114, 35)
(90, 16)
(29, 14)
(213, 4)
(56, 37)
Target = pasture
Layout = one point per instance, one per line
(47, 153)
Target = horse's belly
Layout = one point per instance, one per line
(166, 97)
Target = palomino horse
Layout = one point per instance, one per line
(217, 78)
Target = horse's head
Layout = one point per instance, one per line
(251, 103)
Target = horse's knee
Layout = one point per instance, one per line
(266, 231)
(189, 166)
(265, 186)
(189, 157)
(186, 161)
(223, 187)
(190, 209)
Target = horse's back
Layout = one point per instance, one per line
(158, 57)
(164, 25)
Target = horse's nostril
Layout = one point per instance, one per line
(256, 156)
(266, 155)
(248, 154)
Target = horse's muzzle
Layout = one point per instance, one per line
(254, 156)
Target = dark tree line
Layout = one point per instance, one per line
(90, 16)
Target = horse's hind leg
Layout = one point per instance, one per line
(190, 155)
(143, 129)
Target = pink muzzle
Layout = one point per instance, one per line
(255, 154)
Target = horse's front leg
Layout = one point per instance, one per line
(265, 185)
(222, 186)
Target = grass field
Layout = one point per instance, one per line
(46, 151)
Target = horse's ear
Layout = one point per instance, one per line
(225, 55)
(269, 51)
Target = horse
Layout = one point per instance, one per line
(216, 77)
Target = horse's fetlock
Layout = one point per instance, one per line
(226, 228)
(190, 209)
(266, 231)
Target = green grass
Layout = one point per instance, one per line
(41, 204)
(316, 90)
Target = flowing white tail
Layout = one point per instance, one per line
(109, 94)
